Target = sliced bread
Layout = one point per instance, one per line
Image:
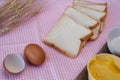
(95, 32)
(66, 36)
(98, 15)
(85, 20)
(87, 2)
(94, 36)
(96, 6)
(84, 43)
(101, 27)
(81, 18)
(99, 7)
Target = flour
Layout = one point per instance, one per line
(115, 43)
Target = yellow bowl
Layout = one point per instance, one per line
(104, 67)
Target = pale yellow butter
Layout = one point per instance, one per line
(104, 67)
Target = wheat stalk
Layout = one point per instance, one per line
(15, 10)
(6, 4)
(18, 21)
(7, 11)
(16, 13)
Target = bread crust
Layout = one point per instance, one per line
(94, 38)
(87, 37)
(84, 42)
(63, 51)
(101, 27)
(104, 19)
(102, 22)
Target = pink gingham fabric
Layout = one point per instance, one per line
(57, 66)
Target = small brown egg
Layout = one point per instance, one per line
(34, 54)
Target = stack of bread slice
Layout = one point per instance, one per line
(79, 23)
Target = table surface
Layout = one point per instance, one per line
(57, 66)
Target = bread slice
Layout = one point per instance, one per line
(101, 27)
(87, 2)
(85, 20)
(84, 43)
(97, 6)
(98, 15)
(66, 36)
(81, 18)
(95, 32)
(94, 36)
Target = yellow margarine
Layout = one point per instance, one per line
(104, 67)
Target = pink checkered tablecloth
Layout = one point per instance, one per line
(56, 66)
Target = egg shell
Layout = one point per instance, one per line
(34, 54)
(13, 63)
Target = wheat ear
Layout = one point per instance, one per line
(18, 21)
(17, 10)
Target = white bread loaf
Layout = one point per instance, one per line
(66, 36)
(81, 18)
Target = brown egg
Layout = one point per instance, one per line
(34, 54)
